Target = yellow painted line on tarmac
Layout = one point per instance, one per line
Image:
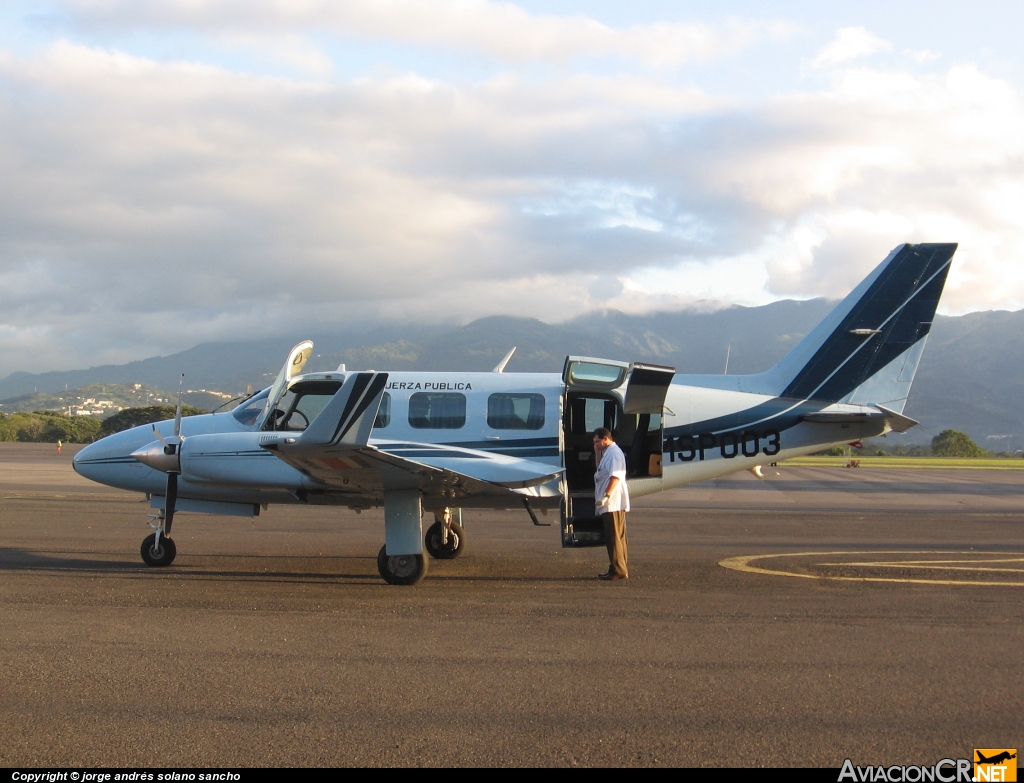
(938, 565)
(743, 563)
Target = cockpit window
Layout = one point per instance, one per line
(301, 404)
(383, 412)
(250, 410)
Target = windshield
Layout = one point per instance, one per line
(250, 410)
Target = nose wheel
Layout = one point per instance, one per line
(157, 548)
(401, 569)
(158, 553)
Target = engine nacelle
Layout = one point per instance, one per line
(236, 459)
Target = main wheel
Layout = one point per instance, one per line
(451, 550)
(162, 555)
(401, 569)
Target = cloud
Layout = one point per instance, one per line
(850, 43)
(921, 56)
(502, 31)
(150, 205)
(296, 51)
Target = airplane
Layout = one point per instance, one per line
(444, 441)
(996, 759)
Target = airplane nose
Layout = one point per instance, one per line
(75, 463)
(86, 462)
(108, 461)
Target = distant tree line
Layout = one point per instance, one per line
(50, 426)
(133, 417)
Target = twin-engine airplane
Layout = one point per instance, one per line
(410, 441)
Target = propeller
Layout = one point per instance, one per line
(171, 496)
(167, 459)
(170, 499)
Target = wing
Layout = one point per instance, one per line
(335, 451)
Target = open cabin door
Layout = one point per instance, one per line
(627, 399)
(296, 361)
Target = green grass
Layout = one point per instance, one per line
(911, 462)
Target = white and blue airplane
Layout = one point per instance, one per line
(441, 442)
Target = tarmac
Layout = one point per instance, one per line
(816, 615)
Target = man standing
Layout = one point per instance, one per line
(611, 497)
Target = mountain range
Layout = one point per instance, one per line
(971, 377)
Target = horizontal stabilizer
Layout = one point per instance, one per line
(897, 421)
(858, 414)
(840, 417)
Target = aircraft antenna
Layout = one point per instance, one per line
(503, 362)
(727, 352)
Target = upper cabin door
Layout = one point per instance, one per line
(627, 399)
(294, 364)
(646, 386)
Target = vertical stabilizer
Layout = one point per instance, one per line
(868, 348)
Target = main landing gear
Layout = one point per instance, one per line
(445, 540)
(401, 569)
(157, 548)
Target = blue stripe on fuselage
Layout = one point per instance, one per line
(779, 413)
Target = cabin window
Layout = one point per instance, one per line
(515, 411)
(437, 410)
(383, 412)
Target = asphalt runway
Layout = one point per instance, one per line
(274, 642)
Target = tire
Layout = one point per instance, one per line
(163, 556)
(401, 569)
(456, 541)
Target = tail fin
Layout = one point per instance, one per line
(346, 420)
(868, 348)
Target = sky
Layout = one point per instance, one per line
(192, 170)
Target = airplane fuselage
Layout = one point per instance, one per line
(703, 433)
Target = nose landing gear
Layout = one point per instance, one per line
(157, 549)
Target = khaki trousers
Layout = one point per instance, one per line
(615, 540)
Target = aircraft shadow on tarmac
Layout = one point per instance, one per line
(14, 559)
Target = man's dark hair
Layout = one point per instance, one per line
(602, 433)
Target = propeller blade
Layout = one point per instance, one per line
(159, 436)
(177, 413)
(170, 501)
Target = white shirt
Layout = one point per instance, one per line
(613, 463)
